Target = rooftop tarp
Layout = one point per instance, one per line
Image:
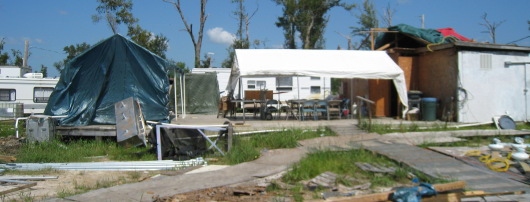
(110, 71)
(318, 63)
(445, 35)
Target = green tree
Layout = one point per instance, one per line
(308, 18)
(16, 58)
(367, 20)
(4, 57)
(44, 70)
(71, 51)
(115, 12)
(157, 44)
(242, 40)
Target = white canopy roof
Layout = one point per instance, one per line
(318, 63)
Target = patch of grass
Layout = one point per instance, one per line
(79, 151)
(7, 128)
(343, 164)
(248, 148)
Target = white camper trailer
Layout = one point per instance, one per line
(30, 91)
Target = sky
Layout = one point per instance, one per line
(51, 25)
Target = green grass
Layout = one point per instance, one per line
(248, 148)
(7, 128)
(343, 164)
(79, 151)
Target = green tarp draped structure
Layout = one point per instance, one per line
(108, 72)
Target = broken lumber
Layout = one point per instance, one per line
(7, 158)
(469, 194)
(385, 196)
(24, 186)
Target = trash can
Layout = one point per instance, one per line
(428, 109)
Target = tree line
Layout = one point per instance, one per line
(303, 23)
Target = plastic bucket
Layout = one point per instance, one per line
(428, 109)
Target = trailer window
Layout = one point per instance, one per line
(41, 94)
(8, 94)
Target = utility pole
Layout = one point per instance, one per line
(422, 21)
(26, 54)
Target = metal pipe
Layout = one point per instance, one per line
(158, 143)
(16, 125)
(175, 92)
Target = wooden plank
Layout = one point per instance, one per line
(385, 196)
(525, 167)
(469, 194)
(8, 158)
(18, 188)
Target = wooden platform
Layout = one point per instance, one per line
(439, 165)
(93, 130)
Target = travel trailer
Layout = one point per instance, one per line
(24, 95)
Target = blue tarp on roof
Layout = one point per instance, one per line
(110, 71)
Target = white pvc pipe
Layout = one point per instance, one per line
(16, 125)
(184, 110)
(175, 92)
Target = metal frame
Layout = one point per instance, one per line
(198, 128)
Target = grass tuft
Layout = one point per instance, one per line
(248, 148)
(79, 151)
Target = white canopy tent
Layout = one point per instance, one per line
(318, 63)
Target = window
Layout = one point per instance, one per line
(254, 84)
(41, 94)
(284, 83)
(315, 78)
(8, 94)
(315, 89)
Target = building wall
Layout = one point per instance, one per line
(489, 88)
(437, 76)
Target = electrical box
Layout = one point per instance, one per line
(40, 128)
(130, 125)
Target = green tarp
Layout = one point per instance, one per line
(202, 93)
(429, 35)
(110, 71)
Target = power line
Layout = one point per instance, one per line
(513, 42)
(46, 49)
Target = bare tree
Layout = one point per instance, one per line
(242, 40)
(491, 27)
(197, 42)
(388, 14)
(348, 38)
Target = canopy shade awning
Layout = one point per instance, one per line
(318, 63)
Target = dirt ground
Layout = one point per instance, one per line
(70, 183)
(9, 145)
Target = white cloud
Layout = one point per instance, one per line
(39, 40)
(63, 12)
(219, 35)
